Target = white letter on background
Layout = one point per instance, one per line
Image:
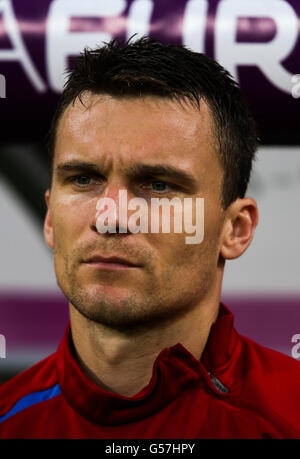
(19, 52)
(139, 18)
(62, 43)
(194, 25)
(267, 56)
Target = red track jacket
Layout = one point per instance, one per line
(238, 389)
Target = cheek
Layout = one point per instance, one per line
(176, 255)
(69, 220)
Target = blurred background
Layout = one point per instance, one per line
(258, 42)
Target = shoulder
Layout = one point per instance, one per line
(271, 384)
(270, 363)
(32, 385)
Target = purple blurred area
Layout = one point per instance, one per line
(205, 26)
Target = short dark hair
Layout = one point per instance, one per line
(147, 67)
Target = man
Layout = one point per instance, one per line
(150, 352)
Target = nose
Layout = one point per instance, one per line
(111, 215)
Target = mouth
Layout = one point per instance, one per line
(110, 263)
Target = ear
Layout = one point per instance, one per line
(240, 223)
(48, 229)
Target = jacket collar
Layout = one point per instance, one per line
(175, 369)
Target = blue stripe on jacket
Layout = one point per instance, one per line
(32, 399)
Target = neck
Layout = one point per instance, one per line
(122, 362)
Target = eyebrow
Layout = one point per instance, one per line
(75, 165)
(138, 170)
(135, 171)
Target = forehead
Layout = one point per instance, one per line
(118, 131)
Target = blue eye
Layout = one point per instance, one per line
(82, 180)
(160, 186)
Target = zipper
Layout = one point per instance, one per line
(217, 384)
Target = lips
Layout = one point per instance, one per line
(99, 259)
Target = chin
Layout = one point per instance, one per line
(119, 309)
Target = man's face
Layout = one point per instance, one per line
(112, 137)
